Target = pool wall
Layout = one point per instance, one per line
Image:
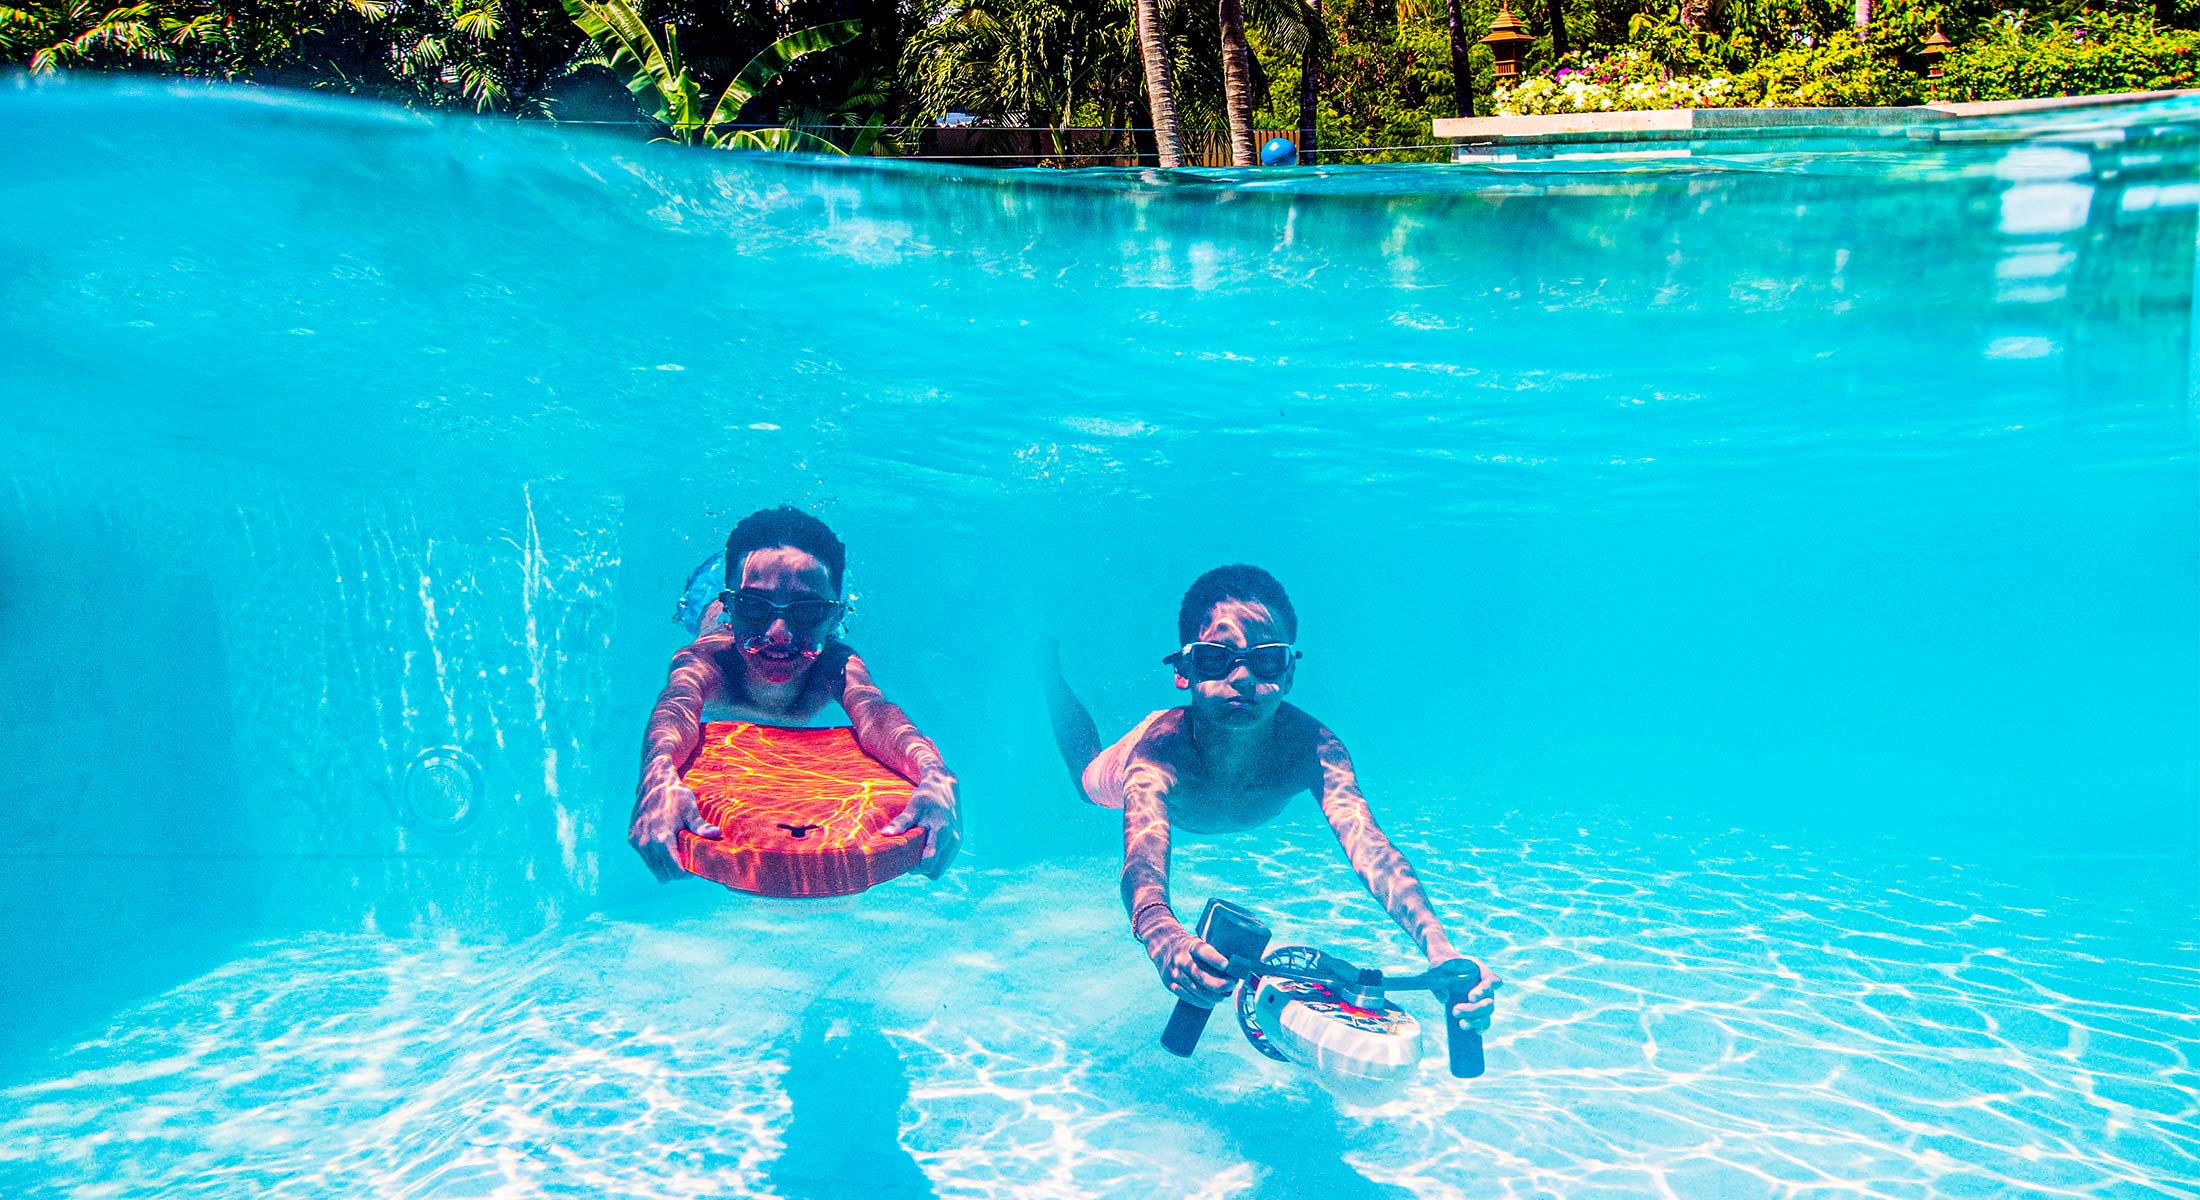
(1841, 497)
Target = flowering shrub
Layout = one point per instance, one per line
(1543, 95)
(1837, 70)
(1623, 81)
(2014, 58)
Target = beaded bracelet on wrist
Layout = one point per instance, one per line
(1139, 914)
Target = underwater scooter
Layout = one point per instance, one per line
(1301, 1005)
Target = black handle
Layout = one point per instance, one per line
(1181, 1037)
(1464, 1044)
(1238, 934)
(1466, 1049)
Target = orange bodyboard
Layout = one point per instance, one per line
(799, 812)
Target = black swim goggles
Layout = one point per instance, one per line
(755, 612)
(1213, 660)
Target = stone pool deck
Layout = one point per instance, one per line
(1679, 132)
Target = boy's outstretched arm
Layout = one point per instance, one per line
(887, 734)
(1189, 967)
(663, 806)
(1387, 874)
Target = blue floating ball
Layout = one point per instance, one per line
(1279, 152)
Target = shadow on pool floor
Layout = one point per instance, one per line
(847, 1085)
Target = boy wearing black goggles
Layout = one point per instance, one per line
(1213, 660)
(769, 653)
(1231, 761)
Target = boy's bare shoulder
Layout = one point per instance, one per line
(1163, 725)
(709, 650)
(1160, 738)
(1305, 741)
(1296, 727)
(828, 681)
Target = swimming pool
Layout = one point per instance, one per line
(1758, 591)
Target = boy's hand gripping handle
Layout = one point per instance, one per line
(1238, 935)
(1465, 1044)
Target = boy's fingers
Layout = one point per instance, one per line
(662, 864)
(950, 849)
(1186, 977)
(1194, 991)
(692, 821)
(1473, 1016)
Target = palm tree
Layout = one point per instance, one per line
(1288, 27)
(1462, 78)
(1052, 63)
(1154, 52)
(1237, 82)
(1056, 63)
(1310, 63)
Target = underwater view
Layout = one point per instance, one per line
(1759, 589)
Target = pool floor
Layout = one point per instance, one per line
(1688, 1013)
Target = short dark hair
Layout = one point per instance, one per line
(784, 526)
(1234, 582)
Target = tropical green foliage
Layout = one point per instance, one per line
(1840, 70)
(49, 37)
(487, 55)
(1054, 63)
(844, 74)
(460, 52)
(673, 96)
(226, 40)
(1386, 75)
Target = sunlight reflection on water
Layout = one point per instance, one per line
(1693, 1013)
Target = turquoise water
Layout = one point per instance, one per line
(1759, 591)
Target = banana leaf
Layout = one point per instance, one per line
(867, 139)
(654, 73)
(780, 139)
(777, 57)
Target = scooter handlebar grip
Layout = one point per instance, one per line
(1466, 1049)
(1181, 1037)
(1464, 1044)
(1240, 937)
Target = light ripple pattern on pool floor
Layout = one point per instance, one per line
(1686, 1015)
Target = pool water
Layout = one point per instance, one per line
(1758, 590)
